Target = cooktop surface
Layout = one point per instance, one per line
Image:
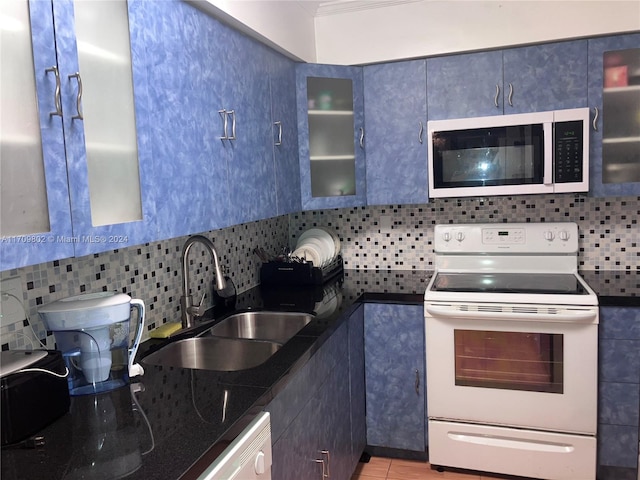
(537, 283)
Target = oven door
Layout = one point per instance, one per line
(520, 367)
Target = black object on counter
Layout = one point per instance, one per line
(225, 298)
(296, 274)
(32, 399)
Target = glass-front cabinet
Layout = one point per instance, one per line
(71, 160)
(111, 202)
(331, 136)
(614, 99)
(34, 196)
(621, 108)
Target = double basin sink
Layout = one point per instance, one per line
(238, 342)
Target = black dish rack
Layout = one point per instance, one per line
(294, 273)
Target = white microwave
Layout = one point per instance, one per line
(542, 152)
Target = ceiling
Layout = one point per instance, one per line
(321, 8)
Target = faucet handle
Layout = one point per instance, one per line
(198, 309)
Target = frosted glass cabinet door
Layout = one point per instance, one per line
(331, 142)
(112, 204)
(104, 55)
(31, 221)
(615, 114)
(621, 108)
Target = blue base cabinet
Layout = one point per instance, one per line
(394, 349)
(619, 389)
(357, 387)
(311, 419)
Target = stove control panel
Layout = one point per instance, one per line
(503, 236)
(487, 238)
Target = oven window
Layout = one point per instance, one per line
(509, 360)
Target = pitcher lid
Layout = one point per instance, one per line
(86, 301)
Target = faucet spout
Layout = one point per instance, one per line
(189, 310)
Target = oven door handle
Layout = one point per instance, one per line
(577, 316)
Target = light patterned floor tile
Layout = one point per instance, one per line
(377, 467)
(448, 475)
(408, 470)
(396, 469)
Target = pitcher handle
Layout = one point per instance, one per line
(134, 348)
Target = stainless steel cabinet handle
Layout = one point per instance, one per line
(223, 113)
(279, 141)
(495, 99)
(421, 131)
(326, 452)
(596, 115)
(510, 95)
(361, 137)
(417, 382)
(78, 97)
(57, 99)
(324, 474)
(233, 124)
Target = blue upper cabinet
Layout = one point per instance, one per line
(99, 194)
(39, 228)
(545, 77)
(527, 79)
(179, 52)
(208, 89)
(285, 134)
(249, 148)
(330, 111)
(615, 109)
(468, 85)
(112, 201)
(395, 113)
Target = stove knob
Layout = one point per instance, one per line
(459, 236)
(446, 236)
(564, 235)
(548, 235)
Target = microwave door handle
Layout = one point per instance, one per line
(548, 153)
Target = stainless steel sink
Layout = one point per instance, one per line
(270, 326)
(213, 353)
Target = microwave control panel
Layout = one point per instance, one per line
(568, 154)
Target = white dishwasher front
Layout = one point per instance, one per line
(248, 457)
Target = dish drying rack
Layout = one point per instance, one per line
(276, 273)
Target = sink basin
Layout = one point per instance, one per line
(213, 353)
(270, 326)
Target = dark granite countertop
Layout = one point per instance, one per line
(171, 421)
(620, 288)
(170, 417)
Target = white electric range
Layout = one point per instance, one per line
(512, 352)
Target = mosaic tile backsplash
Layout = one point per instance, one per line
(397, 237)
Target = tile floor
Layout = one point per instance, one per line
(380, 468)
